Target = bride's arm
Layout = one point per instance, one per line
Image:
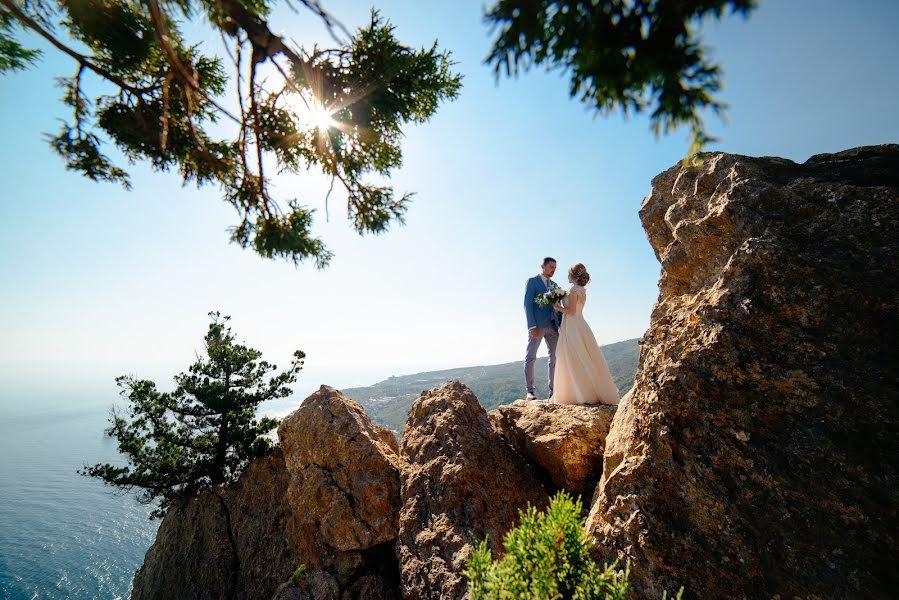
(570, 301)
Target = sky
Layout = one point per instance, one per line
(512, 171)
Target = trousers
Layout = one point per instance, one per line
(551, 335)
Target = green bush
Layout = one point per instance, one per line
(548, 557)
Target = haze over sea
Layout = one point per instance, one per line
(64, 536)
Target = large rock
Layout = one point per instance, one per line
(197, 555)
(617, 442)
(344, 492)
(345, 477)
(374, 575)
(564, 443)
(757, 454)
(462, 482)
(327, 499)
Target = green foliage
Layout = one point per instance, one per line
(632, 55)
(202, 434)
(300, 572)
(547, 556)
(168, 94)
(13, 56)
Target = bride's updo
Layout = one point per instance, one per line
(578, 273)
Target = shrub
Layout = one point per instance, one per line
(547, 556)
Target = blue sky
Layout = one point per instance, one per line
(508, 173)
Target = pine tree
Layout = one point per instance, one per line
(202, 434)
(338, 110)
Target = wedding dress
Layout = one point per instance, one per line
(582, 375)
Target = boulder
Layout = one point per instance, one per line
(318, 585)
(756, 456)
(565, 444)
(461, 482)
(344, 494)
(197, 554)
(345, 478)
(328, 499)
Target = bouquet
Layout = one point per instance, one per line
(551, 297)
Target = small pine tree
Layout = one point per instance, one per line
(202, 434)
(546, 556)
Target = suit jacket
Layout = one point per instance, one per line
(539, 316)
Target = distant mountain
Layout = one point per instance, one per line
(388, 401)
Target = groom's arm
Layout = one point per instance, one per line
(530, 307)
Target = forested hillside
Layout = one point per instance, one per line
(388, 401)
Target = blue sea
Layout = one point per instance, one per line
(62, 535)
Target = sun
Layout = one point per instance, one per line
(317, 116)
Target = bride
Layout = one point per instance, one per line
(582, 375)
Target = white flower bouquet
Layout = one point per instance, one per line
(551, 297)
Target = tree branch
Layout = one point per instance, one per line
(82, 60)
(254, 110)
(330, 22)
(188, 77)
(265, 43)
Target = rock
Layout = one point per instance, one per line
(461, 482)
(756, 456)
(318, 585)
(373, 587)
(616, 442)
(345, 477)
(344, 494)
(565, 443)
(195, 557)
(327, 499)
(321, 585)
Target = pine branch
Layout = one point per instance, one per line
(82, 59)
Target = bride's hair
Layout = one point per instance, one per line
(579, 273)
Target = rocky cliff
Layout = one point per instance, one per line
(757, 455)
(233, 543)
(370, 518)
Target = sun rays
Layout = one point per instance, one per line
(312, 114)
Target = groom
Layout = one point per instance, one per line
(543, 323)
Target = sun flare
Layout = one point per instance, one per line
(316, 116)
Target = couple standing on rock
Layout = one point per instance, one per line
(578, 373)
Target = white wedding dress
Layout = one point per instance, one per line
(582, 375)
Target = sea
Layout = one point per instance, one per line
(63, 535)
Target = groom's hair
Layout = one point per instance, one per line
(548, 259)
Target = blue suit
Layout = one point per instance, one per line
(540, 316)
(547, 321)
